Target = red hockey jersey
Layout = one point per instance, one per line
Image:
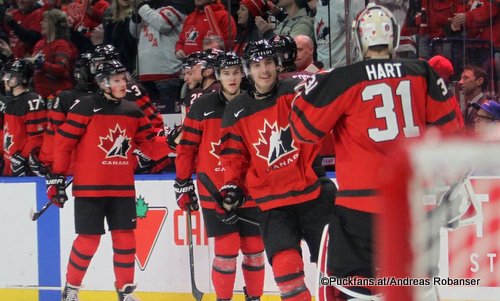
(199, 148)
(25, 121)
(138, 94)
(103, 135)
(256, 134)
(371, 106)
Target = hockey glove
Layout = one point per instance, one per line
(231, 197)
(144, 163)
(185, 194)
(18, 165)
(56, 189)
(173, 135)
(36, 166)
(227, 217)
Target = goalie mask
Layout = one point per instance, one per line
(112, 78)
(375, 26)
(18, 72)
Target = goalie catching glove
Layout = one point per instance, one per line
(185, 194)
(56, 189)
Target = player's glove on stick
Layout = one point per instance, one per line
(56, 189)
(185, 194)
(18, 165)
(232, 197)
(227, 217)
(144, 163)
(37, 166)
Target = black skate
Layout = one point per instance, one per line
(125, 294)
(247, 297)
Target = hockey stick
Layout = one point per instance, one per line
(214, 193)
(197, 294)
(34, 215)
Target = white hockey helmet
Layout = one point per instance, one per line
(374, 26)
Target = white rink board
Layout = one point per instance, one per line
(167, 269)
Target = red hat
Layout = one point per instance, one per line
(442, 66)
(255, 7)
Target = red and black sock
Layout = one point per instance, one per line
(84, 248)
(123, 256)
(253, 265)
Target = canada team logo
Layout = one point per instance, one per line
(150, 221)
(215, 151)
(116, 144)
(275, 143)
(191, 35)
(7, 141)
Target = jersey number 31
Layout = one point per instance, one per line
(386, 111)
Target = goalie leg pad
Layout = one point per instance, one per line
(224, 264)
(253, 265)
(123, 256)
(84, 248)
(288, 270)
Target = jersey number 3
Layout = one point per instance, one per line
(386, 111)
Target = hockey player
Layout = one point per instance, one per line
(103, 129)
(25, 118)
(286, 50)
(371, 106)
(260, 156)
(41, 159)
(199, 149)
(155, 159)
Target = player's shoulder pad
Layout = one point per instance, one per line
(238, 108)
(206, 106)
(131, 109)
(84, 105)
(287, 85)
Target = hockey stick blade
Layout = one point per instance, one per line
(214, 193)
(197, 294)
(34, 215)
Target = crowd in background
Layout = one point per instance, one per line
(154, 37)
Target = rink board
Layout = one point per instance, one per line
(34, 255)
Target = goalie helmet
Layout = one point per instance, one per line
(286, 49)
(226, 60)
(21, 70)
(81, 71)
(255, 52)
(375, 26)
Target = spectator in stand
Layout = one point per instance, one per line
(54, 55)
(157, 25)
(487, 120)
(208, 18)
(116, 26)
(86, 15)
(305, 52)
(329, 27)
(473, 82)
(481, 21)
(22, 24)
(297, 22)
(213, 42)
(247, 30)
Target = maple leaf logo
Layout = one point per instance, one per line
(215, 149)
(116, 144)
(7, 141)
(274, 143)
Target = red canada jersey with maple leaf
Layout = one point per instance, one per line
(103, 135)
(371, 106)
(259, 152)
(199, 148)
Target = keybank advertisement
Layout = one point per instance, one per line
(34, 255)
